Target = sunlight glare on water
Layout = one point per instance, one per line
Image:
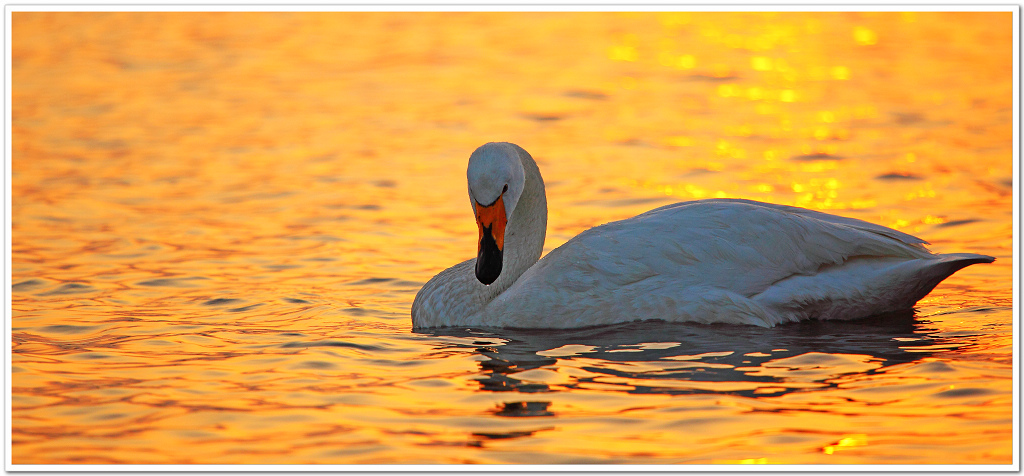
(220, 221)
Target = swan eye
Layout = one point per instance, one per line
(503, 190)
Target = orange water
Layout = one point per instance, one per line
(220, 221)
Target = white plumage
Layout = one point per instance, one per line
(708, 261)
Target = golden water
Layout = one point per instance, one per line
(220, 221)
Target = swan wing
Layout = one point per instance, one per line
(700, 258)
(821, 216)
(737, 244)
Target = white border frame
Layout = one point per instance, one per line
(467, 5)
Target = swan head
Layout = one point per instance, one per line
(496, 181)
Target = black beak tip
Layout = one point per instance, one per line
(488, 262)
(486, 278)
(487, 271)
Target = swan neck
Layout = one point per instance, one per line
(526, 230)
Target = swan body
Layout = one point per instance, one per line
(708, 261)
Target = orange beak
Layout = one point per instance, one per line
(491, 220)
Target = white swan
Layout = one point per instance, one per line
(730, 261)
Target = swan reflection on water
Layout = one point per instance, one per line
(653, 357)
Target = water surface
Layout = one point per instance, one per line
(220, 221)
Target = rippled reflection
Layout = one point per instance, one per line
(802, 375)
(683, 359)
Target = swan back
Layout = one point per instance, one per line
(702, 261)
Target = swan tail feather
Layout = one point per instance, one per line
(863, 287)
(964, 260)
